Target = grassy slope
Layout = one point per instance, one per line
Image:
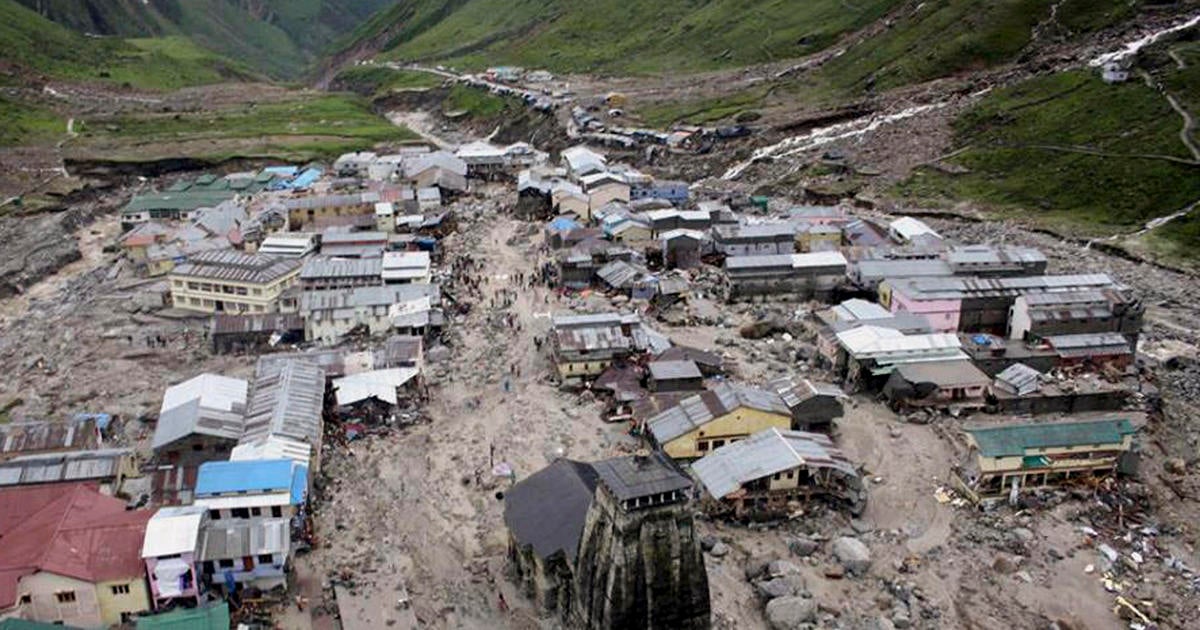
(378, 80)
(1097, 194)
(22, 123)
(305, 127)
(619, 36)
(280, 37)
(33, 42)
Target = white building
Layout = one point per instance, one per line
(406, 268)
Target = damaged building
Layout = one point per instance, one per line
(770, 473)
(609, 545)
(802, 276)
(1010, 458)
(711, 419)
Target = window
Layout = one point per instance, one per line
(718, 443)
(702, 445)
(255, 511)
(65, 597)
(276, 511)
(265, 559)
(258, 292)
(225, 564)
(214, 515)
(240, 513)
(120, 589)
(208, 567)
(197, 447)
(26, 599)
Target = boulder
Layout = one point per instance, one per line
(853, 554)
(802, 547)
(782, 567)
(708, 542)
(787, 613)
(719, 550)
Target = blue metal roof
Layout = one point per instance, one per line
(286, 171)
(306, 179)
(252, 476)
(562, 224)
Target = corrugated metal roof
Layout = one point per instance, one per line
(1020, 377)
(248, 477)
(29, 437)
(272, 447)
(56, 467)
(698, 410)
(378, 384)
(237, 267)
(765, 453)
(287, 399)
(1014, 440)
(238, 538)
(856, 309)
(973, 287)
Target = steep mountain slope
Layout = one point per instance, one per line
(32, 43)
(281, 37)
(617, 36)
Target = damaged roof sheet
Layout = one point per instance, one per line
(287, 399)
(763, 454)
(378, 384)
(698, 410)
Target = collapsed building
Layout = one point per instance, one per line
(764, 475)
(610, 544)
(1011, 458)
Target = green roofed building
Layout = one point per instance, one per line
(181, 198)
(212, 617)
(1038, 455)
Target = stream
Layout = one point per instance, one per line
(1131, 48)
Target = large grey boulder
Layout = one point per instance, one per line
(852, 554)
(787, 613)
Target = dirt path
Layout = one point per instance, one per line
(409, 503)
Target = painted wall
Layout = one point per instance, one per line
(731, 427)
(112, 604)
(201, 295)
(943, 315)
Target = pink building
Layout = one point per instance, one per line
(170, 550)
(943, 315)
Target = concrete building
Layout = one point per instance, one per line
(232, 334)
(971, 304)
(253, 507)
(171, 550)
(1042, 315)
(322, 273)
(759, 477)
(331, 315)
(580, 161)
(711, 419)
(289, 245)
(313, 210)
(763, 239)
(803, 276)
(1017, 457)
(200, 420)
(406, 268)
(603, 188)
(609, 545)
(583, 346)
(228, 281)
(71, 556)
(673, 191)
(990, 261)
(955, 384)
(346, 244)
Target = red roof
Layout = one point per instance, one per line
(70, 530)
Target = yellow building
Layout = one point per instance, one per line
(303, 211)
(232, 282)
(1037, 455)
(711, 419)
(72, 556)
(585, 345)
(818, 238)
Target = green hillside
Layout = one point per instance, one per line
(33, 43)
(279, 37)
(617, 36)
(1072, 151)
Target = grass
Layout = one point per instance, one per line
(478, 103)
(379, 80)
(1090, 193)
(37, 44)
(22, 123)
(278, 37)
(618, 36)
(944, 37)
(703, 111)
(308, 127)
